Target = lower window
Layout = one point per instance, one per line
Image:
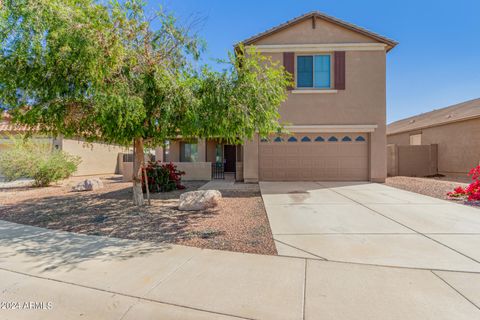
(188, 152)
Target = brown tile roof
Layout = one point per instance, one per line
(12, 128)
(389, 42)
(7, 127)
(458, 112)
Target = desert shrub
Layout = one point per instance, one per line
(472, 191)
(36, 160)
(16, 161)
(57, 166)
(162, 177)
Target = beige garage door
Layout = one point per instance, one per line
(314, 157)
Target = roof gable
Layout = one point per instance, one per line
(360, 33)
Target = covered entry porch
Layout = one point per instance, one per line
(203, 159)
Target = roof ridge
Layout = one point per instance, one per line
(321, 15)
(465, 110)
(435, 110)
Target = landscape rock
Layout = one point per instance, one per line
(88, 185)
(199, 200)
(20, 183)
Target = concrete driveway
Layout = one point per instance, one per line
(372, 224)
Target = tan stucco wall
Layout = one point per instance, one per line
(202, 150)
(127, 171)
(159, 154)
(193, 170)
(392, 160)
(239, 171)
(399, 139)
(211, 151)
(458, 145)
(324, 32)
(363, 102)
(174, 152)
(97, 158)
(412, 160)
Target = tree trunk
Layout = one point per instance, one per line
(138, 160)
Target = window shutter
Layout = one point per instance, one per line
(289, 65)
(339, 58)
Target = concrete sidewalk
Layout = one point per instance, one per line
(88, 277)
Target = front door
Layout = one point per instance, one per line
(229, 157)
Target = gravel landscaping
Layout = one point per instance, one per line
(433, 187)
(239, 223)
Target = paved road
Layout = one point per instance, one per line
(88, 277)
(372, 224)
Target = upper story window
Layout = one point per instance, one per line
(313, 71)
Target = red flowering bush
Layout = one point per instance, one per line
(472, 191)
(457, 192)
(475, 173)
(162, 177)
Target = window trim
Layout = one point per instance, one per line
(313, 89)
(316, 90)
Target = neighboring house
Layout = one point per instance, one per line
(97, 158)
(455, 129)
(337, 109)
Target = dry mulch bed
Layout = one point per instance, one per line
(433, 187)
(239, 223)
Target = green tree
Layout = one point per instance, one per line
(82, 68)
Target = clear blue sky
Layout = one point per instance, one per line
(436, 64)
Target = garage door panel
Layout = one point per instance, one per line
(345, 159)
(291, 149)
(351, 173)
(291, 174)
(306, 163)
(331, 173)
(266, 149)
(318, 163)
(305, 174)
(327, 148)
(349, 149)
(354, 162)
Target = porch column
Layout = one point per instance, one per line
(250, 160)
(202, 150)
(174, 151)
(159, 154)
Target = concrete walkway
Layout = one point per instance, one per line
(372, 224)
(88, 277)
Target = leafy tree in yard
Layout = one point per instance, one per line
(80, 68)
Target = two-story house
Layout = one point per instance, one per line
(336, 111)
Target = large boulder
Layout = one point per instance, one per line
(88, 185)
(199, 200)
